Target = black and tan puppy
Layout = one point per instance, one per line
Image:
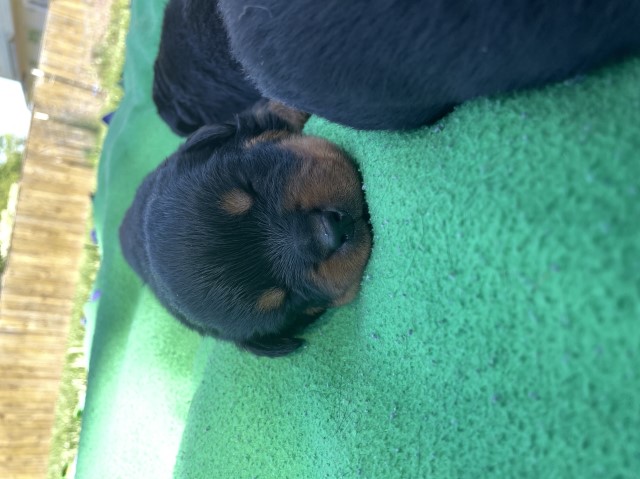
(251, 230)
(196, 81)
(393, 64)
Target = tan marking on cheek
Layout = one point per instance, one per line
(347, 297)
(269, 135)
(271, 299)
(326, 177)
(236, 202)
(313, 311)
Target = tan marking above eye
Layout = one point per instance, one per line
(236, 202)
(271, 299)
(348, 296)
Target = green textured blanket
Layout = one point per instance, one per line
(497, 333)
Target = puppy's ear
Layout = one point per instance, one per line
(272, 346)
(272, 115)
(210, 135)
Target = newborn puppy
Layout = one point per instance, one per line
(251, 230)
(196, 81)
(393, 64)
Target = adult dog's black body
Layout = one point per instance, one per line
(394, 64)
(196, 80)
(251, 230)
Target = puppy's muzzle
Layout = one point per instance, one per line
(331, 229)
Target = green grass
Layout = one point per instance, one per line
(10, 172)
(11, 168)
(66, 429)
(108, 58)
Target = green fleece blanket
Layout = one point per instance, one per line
(497, 333)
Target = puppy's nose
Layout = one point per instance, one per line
(333, 229)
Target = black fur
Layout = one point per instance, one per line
(211, 265)
(395, 64)
(196, 80)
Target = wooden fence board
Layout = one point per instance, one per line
(39, 284)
